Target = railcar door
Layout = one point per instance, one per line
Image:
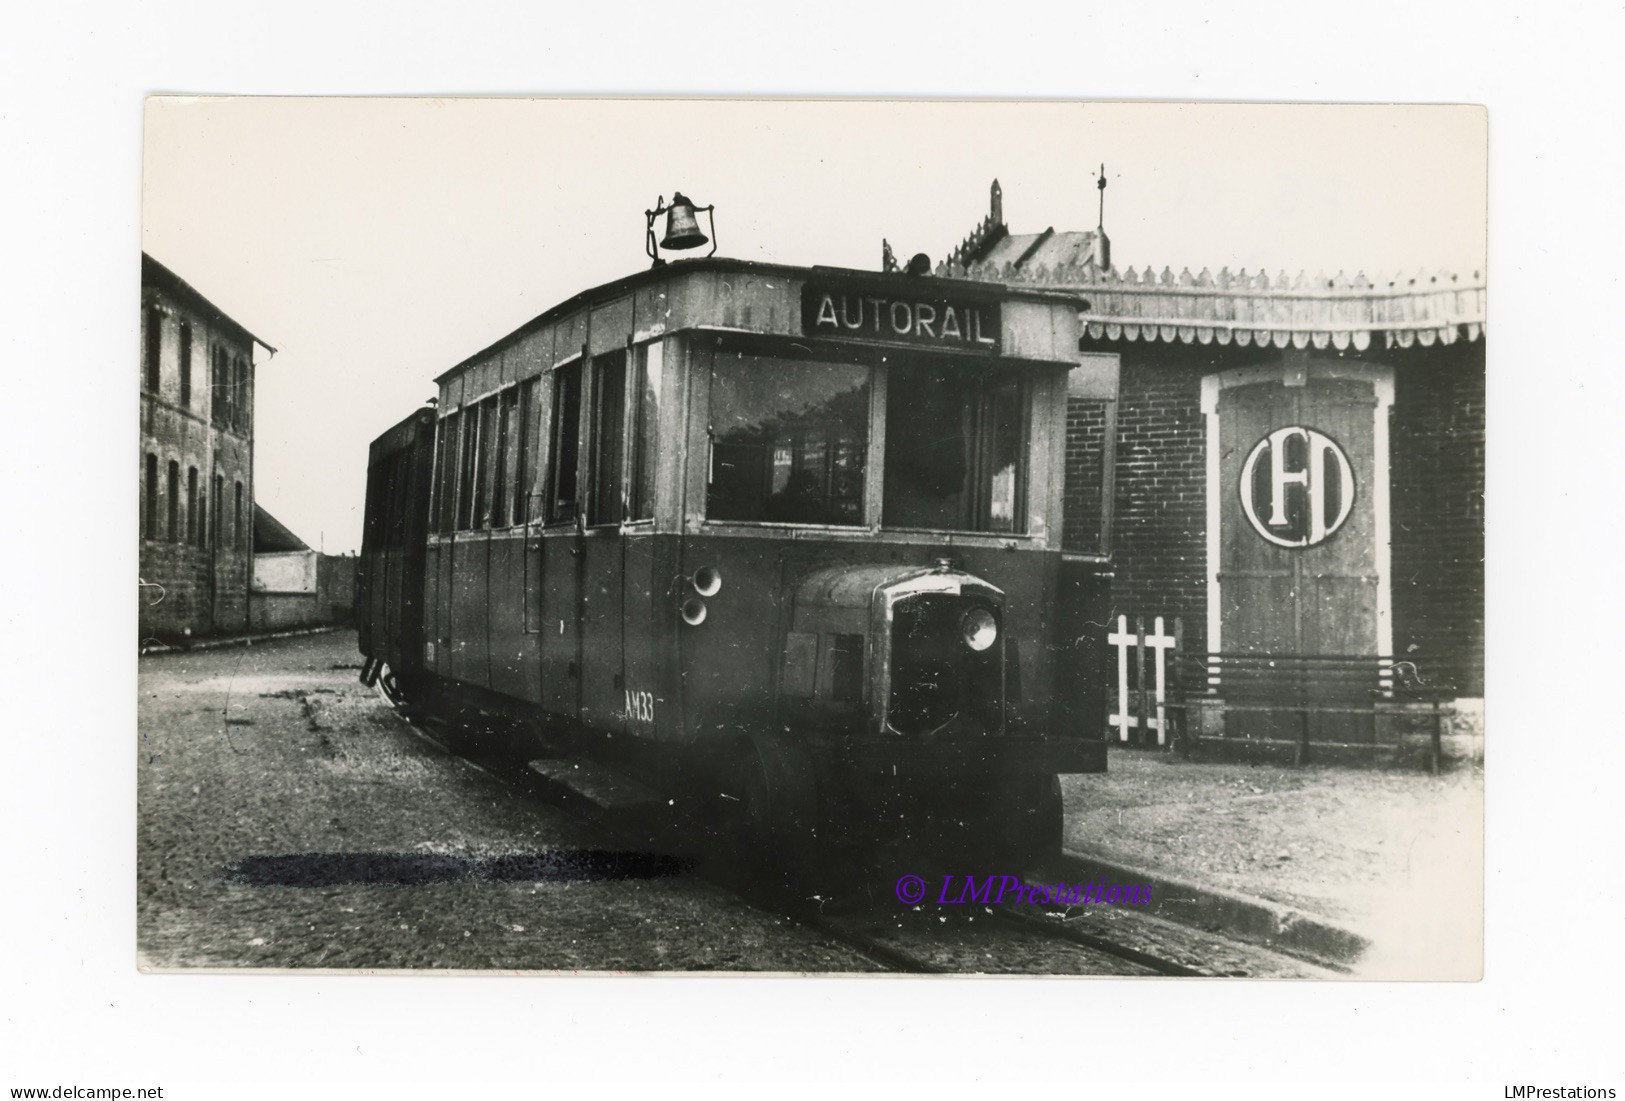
(646, 558)
(513, 660)
(438, 560)
(560, 549)
(603, 549)
(538, 402)
(471, 553)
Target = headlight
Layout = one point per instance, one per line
(979, 629)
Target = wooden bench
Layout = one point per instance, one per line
(1305, 686)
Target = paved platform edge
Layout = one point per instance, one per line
(236, 640)
(1271, 924)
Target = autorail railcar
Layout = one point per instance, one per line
(782, 540)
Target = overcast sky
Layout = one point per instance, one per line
(376, 242)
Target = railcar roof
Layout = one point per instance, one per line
(610, 291)
(401, 435)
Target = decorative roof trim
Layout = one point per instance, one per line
(1248, 309)
(987, 233)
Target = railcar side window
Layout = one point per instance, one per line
(566, 443)
(955, 451)
(528, 487)
(445, 473)
(788, 441)
(644, 434)
(508, 436)
(490, 450)
(608, 436)
(468, 467)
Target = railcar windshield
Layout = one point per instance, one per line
(789, 441)
(956, 446)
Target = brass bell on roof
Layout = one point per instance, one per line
(682, 226)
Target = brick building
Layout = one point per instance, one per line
(1299, 462)
(196, 461)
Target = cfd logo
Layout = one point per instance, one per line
(1297, 487)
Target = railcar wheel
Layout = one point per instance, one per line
(774, 824)
(389, 688)
(1027, 819)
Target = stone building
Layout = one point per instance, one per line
(196, 471)
(1299, 461)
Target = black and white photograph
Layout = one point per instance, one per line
(748, 536)
(740, 550)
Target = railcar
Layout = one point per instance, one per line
(779, 541)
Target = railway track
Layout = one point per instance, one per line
(940, 939)
(994, 943)
(1010, 939)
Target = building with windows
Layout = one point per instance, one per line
(196, 461)
(1299, 461)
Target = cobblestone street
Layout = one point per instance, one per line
(275, 750)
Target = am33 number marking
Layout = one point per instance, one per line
(640, 706)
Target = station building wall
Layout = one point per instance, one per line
(1159, 527)
(1438, 495)
(302, 589)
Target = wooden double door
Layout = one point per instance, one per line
(1300, 566)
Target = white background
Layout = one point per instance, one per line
(74, 1010)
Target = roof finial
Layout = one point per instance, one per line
(1103, 245)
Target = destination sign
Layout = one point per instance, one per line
(936, 321)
